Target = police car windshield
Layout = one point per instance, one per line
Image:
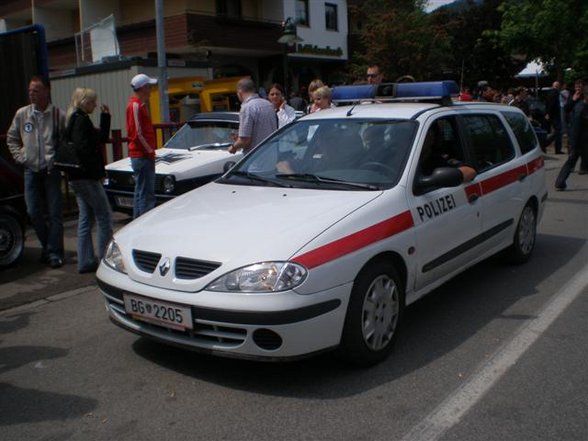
(199, 133)
(370, 153)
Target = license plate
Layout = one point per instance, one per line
(166, 314)
(122, 201)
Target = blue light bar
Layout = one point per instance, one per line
(422, 91)
(353, 93)
(432, 89)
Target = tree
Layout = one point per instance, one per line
(551, 30)
(398, 36)
(475, 50)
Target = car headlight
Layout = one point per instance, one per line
(261, 277)
(113, 257)
(168, 184)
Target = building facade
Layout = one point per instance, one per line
(221, 37)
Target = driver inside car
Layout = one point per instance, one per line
(434, 156)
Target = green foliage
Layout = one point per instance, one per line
(398, 36)
(472, 40)
(551, 30)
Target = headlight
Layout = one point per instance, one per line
(168, 184)
(113, 257)
(261, 277)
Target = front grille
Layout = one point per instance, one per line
(193, 269)
(121, 180)
(145, 260)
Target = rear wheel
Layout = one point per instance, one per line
(11, 239)
(373, 315)
(524, 238)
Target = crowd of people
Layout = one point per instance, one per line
(38, 128)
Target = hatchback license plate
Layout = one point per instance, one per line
(125, 202)
(165, 314)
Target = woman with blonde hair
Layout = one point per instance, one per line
(322, 98)
(312, 87)
(86, 182)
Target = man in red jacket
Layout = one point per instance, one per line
(142, 144)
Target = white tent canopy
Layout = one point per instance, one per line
(533, 69)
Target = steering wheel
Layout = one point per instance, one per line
(377, 167)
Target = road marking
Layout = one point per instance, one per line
(455, 406)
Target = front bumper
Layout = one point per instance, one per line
(251, 330)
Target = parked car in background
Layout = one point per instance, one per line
(13, 213)
(195, 155)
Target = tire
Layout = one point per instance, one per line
(373, 315)
(524, 239)
(12, 239)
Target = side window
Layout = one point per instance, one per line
(523, 131)
(488, 138)
(441, 146)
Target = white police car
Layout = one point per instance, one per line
(194, 156)
(319, 237)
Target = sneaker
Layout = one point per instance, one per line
(55, 262)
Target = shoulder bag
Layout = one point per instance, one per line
(66, 157)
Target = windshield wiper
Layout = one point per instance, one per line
(309, 177)
(258, 178)
(210, 146)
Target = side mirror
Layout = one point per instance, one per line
(440, 178)
(228, 165)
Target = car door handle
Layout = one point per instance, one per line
(473, 198)
(522, 177)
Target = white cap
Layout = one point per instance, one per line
(142, 80)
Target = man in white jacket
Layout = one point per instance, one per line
(31, 139)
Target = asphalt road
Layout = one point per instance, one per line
(499, 353)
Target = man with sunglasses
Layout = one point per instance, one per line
(374, 74)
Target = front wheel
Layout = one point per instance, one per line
(373, 315)
(524, 238)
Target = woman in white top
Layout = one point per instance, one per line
(284, 112)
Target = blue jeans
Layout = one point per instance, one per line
(144, 175)
(93, 205)
(44, 207)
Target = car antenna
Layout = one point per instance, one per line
(350, 111)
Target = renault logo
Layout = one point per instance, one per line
(164, 267)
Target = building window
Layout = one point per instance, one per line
(229, 8)
(302, 12)
(331, 22)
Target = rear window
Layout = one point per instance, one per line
(523, 131)
(489, 140)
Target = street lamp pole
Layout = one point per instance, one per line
(288, 39)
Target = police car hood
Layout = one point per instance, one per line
(235, 226)
(182, 163)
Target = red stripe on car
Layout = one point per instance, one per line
(356, 241)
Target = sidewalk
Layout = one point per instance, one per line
(29, 280)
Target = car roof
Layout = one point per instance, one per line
(216, 116)
(371, 110)
(400, 110)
